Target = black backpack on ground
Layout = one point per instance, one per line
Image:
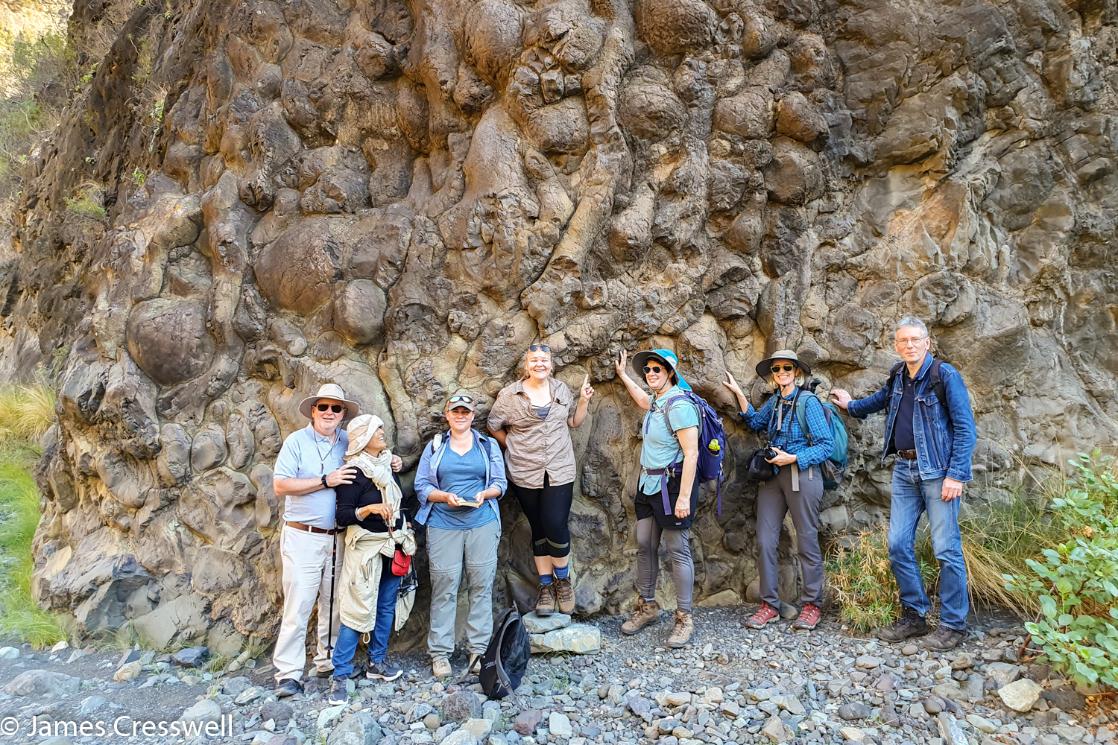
(506, 658)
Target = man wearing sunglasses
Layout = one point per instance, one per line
(929, 426)
(307, 469)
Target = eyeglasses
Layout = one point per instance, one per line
(336, 408)
(461, 400)
(652, 369)
(539, 348)
(781, 368)
(911, 341)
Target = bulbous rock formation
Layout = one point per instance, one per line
(399, 197)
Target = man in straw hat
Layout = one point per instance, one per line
(308, 468)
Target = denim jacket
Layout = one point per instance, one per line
(944, 430)
(427, 475)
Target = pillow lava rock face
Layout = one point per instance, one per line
(400, 196)
(168, 339)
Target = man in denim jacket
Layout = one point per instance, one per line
(933, 441)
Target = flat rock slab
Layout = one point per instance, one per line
(578, 638)
(543, 624)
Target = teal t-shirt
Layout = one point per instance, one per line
(661, 448)
(465, 476)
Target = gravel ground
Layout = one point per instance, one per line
(730, 685)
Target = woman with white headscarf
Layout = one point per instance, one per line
(369, 510)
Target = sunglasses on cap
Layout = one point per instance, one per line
(782, 368)
(336, 408)
(539, 348)
(460, 400)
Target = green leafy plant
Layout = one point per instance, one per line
(1076, 581)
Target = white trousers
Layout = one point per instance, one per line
(307, 576)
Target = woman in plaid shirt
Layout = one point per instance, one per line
(797, 486)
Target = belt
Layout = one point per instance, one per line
(311, 528)
(907, 454)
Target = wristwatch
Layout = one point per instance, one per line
(324, 484)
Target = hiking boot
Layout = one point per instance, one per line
(765, 615)
(545, 601)
(288, 687)
(944, 639)
(565, 596)
(644, 613)
(338, 693)
(385, 671)
(682, 630)
(440, 668)
(808, 618)
(910, 624)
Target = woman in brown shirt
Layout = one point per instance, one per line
(531, 419)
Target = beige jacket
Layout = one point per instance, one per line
(360, 578)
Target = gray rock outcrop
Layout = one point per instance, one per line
(399, 197)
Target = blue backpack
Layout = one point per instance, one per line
(834, 468)
(712, 445)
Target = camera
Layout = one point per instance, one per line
(769, 453)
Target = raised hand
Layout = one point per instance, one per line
(619, 362)
(586, 391)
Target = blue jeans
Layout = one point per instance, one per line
(911, 498)
(346, 647)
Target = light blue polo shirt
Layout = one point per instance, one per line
(463, 475)
(661, 448)
(306, 454)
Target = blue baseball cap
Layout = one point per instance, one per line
(668, 357)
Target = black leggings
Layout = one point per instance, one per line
(548, 510)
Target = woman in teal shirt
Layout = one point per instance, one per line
(666, 497)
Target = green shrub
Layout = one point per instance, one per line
(1076, 581)
(25, 413)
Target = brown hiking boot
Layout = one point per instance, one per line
(682, 631)
(565, 595)
(910, 624)
(545, 601)
(644, 613)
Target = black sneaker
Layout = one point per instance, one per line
(910, 624)
(288, 687)
(383, 671)
(944, 639)
(338, 693)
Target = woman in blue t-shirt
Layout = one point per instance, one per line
(460, 477)
(667, 491)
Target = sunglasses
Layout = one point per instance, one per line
(460, 400)
(652, 369)
(336, 408)
(782, 368)
(539, 348)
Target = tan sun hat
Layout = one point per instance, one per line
(360, 431)
(763, 367)
(329, 390)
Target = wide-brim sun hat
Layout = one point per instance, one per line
(667, 356)
(764, 366)
(335, 392)
(360, 430)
